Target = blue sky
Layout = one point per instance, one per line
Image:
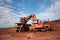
(12, 10)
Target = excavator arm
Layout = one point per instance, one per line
(26, 19)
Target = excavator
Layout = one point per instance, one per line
(35, 26)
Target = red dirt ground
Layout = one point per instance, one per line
(10, 34)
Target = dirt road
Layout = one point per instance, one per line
(30, 35)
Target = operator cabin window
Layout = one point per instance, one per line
(35, 21)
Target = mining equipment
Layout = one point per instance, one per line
(37, 25)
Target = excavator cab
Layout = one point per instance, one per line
(37, 21)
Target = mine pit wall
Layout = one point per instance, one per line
(56, 25)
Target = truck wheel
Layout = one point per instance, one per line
(22, 29)
(18, 27)
(50, 29)
(17, 30)
(45, 29)
(34, 30)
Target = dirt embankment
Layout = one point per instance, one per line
(56, 25)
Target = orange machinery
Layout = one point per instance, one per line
(36, 25)
(43, 26)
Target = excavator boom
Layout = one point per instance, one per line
(26, 19)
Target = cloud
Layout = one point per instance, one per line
(22, 13)
(57, 5)
(7, 1)
(52, 13)
(8, 18)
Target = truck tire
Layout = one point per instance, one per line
(34, 30)
(18, 27)
(45, 29)
(17, 30)
(50, 29)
